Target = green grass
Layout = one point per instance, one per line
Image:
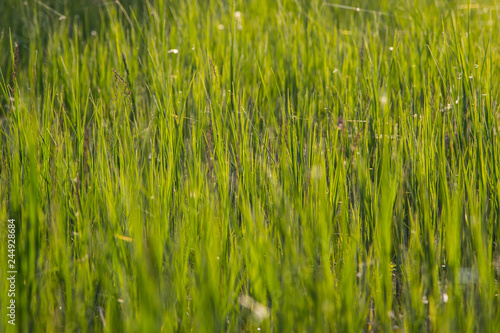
(294, 166)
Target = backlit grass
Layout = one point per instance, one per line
(288, 166)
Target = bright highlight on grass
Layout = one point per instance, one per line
(227, 166)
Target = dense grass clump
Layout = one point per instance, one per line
(290, 165)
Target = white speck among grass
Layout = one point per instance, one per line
(174, 51)
(238, 20)
(259, 311)
(383, 100)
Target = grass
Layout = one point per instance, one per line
(242, 165)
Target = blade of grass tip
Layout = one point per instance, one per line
(52, 10)
(122, 9)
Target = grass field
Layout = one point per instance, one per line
(235, 166)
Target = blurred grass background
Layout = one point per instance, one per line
(243, 165)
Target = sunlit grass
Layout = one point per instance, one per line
(233, 166)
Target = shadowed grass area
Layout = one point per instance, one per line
(240, 165)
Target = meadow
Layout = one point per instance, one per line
(250, 165)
